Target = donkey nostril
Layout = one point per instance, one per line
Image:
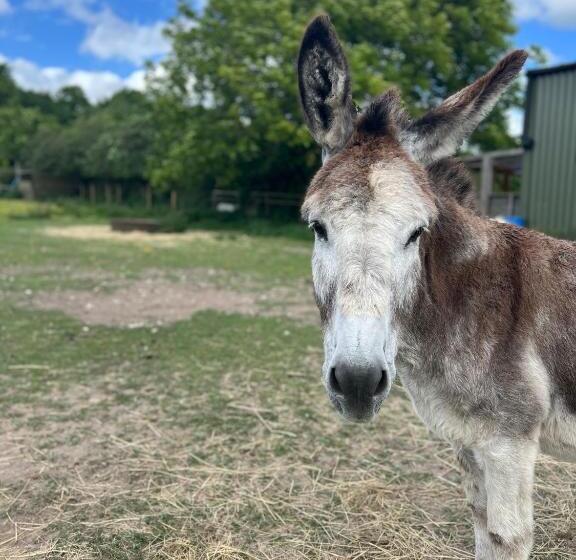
(381, 387)
(333, 382)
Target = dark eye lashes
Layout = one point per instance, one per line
(415, 235)
(319, 230)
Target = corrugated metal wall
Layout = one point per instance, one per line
(549, 169)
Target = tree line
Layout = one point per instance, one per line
(222, 111)
(63, 135)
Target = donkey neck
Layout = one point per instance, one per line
(459, 239)
(464, 284)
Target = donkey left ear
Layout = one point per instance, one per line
(441, 131)
(324, 81)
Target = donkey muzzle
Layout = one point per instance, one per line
(358, 391)
(360, 365)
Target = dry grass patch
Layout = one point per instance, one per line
(105, 233)
(267, 481)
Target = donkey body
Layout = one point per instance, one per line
(477, 317)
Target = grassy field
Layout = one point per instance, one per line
(161, 399)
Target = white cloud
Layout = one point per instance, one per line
(560, 13)
(5, 7)
(526, 9)
(136, 80)
(97, 85)
(113, 37)
(79, 10)
(109, 36)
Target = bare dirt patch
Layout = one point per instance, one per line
(105, 233)
(143, 302)
(158, 301)
(14, 464)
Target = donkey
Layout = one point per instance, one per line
(478, 318)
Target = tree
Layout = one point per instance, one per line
(126, 102)
(17, 126)
(110, 142)
(71, 102)
(58, 152)
(120, 149)
(123, 135)
(8, 88)
(24, 115)
(18, 122)
(226, 107)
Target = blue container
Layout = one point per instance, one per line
(515, 220)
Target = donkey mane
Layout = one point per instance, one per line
(451, 178)
(386, 116)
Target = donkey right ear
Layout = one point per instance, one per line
(441, 131)
(324, 82)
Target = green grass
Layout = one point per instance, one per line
(211, 437)
(205, 220)
(273, 258)
(23, 209)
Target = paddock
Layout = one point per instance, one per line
(162, 400)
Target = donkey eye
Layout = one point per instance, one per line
(319, 230)
(415, 235)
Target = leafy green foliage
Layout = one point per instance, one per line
(8, 89)
(227, 111)
(21, 116)
(70, 103)
(64, 136)
(17, 125)
(224, 110)
(110, 141)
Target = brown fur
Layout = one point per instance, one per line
(474, 95)
(484, 313)
(523, 273)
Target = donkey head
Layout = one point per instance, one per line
(369, 206)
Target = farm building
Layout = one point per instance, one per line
(548, 198)
(538, 181)
(497, 176)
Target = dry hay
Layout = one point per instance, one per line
(388, 491)
(105, 233)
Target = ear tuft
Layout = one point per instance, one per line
(509, 67)
(491, 84)
(385, 115)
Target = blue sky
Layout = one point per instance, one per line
(101, 45)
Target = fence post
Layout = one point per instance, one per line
(173, 200)
(510, 205)
(148, 197)
(92, 193)
(108, 193)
